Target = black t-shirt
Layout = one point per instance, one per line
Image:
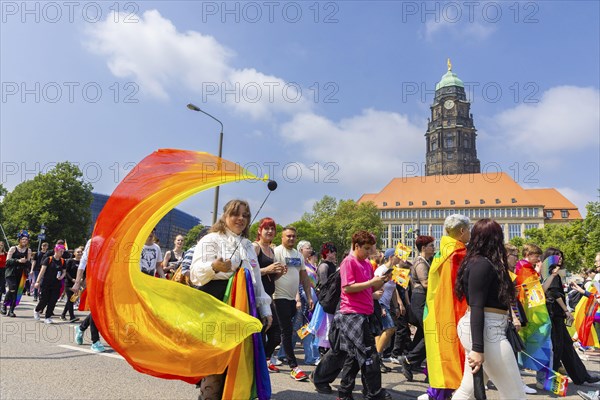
(481, 285)
(71, 265)
(554, 292)
(54, 269)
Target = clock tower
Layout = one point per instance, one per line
(451, 135)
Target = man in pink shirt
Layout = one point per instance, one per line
(351, 339)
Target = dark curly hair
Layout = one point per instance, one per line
(487, 240)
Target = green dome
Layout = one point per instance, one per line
(449, 79)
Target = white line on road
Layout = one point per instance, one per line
(66, 346)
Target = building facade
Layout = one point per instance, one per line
(453, 182)
(176, 222)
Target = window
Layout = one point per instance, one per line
(434, 143)
(437, 231)
(423, 229)
(409, 235)
(449, 156)
(549, 214)
(384, 238)
(448, 140)
(531, 226)
(564, 214)
(384, 203)
(396, 235)
(514, 230)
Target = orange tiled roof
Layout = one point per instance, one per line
(553, 200)
(467, 191)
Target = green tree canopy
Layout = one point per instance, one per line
(190, 237)
(59, 199)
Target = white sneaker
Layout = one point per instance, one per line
(48, 321)
(276, 361)
(424, 396)
(395, 360)
(529, 390)
(589, 395)
(36, 315)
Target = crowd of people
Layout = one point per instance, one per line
(451, 322)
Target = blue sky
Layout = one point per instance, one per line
(331, 98)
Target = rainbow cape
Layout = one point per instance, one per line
(19, 290)
(163, 328)
(445, 354)
(584, 314)
(536, 334)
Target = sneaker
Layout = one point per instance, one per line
(74, 319)
(593, 379)
(539, 385)
(78, 335)
(529, 390)
(406, 369)
(63, 318)
(395, 360)
(589, 395)
(3, 310)
(298, 374)
(384, 368)
(386, 359)
(11, 314)
(48, 321)
(98, 347)
(276, 361)
(36, 315)
(271, 367)
(324, 389)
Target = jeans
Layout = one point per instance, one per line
(499, 360)
(311, 350)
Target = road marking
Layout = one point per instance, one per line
(66, 346)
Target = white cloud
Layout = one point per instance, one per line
(580, 199)
(366, 149)
(159, 58)
(566, 119)
(461, 29)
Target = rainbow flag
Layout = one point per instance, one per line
(19, 290)
(135, 312)
(445, 354)
(584, 314)
(556, 383)
(536, 334)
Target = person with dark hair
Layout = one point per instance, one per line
(151, 258)
(286, 290)
(217, 257)
(18, 260)
(326, 268)
(483, 279)
(270, 271)
(52, 273)
(419, 273)
(562, 346)
(72, 265)
(36, 267)
(173, 257)
(352, 342)
(2, 267)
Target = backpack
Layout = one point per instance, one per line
(329, 293)
(573, 298)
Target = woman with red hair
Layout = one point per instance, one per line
(270, 271)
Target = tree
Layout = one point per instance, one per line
(591, 233)
(566, 237)
(190, 237)
(59, 199)
(336, 222)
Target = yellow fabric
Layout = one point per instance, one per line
(160, 327)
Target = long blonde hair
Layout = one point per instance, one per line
(232, 208)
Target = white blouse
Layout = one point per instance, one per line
(222, 245)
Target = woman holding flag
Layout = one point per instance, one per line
(18, 260)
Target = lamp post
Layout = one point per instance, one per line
(41, 236)
(216, 205)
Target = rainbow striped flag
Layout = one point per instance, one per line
(445, 354)
(536, 334)
(584, 314)
(19, 290)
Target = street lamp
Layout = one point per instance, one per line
(41, 236)
(216, 205)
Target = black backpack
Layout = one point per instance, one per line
(329, 293)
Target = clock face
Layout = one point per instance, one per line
(448, 104)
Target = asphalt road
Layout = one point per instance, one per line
(39, 361)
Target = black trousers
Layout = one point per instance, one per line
(88, 322)
(48, 299)
(564, 352)
(11, 295)
(2, 282)
(272, 337)
(286, 311)
(68, 304)
(417, 355)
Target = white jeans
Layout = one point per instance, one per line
(499, 360)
